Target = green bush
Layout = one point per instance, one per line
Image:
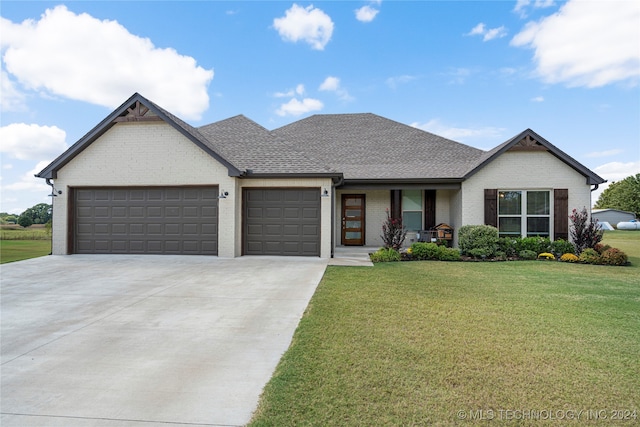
(423, 250)
(448, 254)
(507, 247)
(478, 240)
(590, 256)
(385, 255)
(613, 256)
(560, 247)
(527, 254)
(536, 244)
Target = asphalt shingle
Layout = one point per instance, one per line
(368, 146)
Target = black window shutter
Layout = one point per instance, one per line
(429, 209)
(491, 207)
(396, 204)
(561, 214)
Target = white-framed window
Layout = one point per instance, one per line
(524, 213)
(412, 210)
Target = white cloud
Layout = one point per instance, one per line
(296, 108)
(537, 99)
(12, 99)
(461, 134)
(76, 56)
(332, 84)
(299, 90)
(32, 142)
(366, 13)
(394, 82)
(459, 75)
(308, 24)
(488, 34)
(28, 182)
(521, 5)
(605, 153)
(613, 172)
(588, 44)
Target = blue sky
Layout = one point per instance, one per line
(478, 72)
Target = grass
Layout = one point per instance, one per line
(415, 343)
(17, 244)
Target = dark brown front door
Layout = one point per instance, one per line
(353, 219)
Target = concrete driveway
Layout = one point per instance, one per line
(115, 340)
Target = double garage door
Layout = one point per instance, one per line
(184, 220)
(162, 220)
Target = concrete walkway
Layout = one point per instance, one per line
(352, 256)
(117, 341)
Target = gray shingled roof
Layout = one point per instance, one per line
(368, 146)
(248, 145)
(355, 146)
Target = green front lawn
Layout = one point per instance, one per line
(433, 343)
(17, 250)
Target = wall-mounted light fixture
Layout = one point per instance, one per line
(223, 194)
(325, 192)
(54, 192)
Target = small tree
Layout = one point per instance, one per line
(25, 221)
(393, 232)
(585, 232)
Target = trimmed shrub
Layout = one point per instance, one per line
(589, 256)
(613, 256)
(600, 248)
(527, 254)
(478, 240)
(535, 244)
(546, 256)
(560, 247)
(506, 247)
(424, 250)
(569, 257)
(449, 254)
(385, 255)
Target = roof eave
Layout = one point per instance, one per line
(592, 178)
(101, 128)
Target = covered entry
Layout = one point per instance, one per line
(281, 221)
(145, 220)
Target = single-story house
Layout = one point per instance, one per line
(144, 181)
(612, 216)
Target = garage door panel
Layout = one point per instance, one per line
(146, 220)
(310, 213)
(118, 212)
(154, 212)
(190, 212)
(279, 221)
(101, 212)
(273, 212)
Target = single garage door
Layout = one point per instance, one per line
(156, 220)
(281, 221)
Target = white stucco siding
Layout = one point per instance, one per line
(325, 205)
(522, 171)
(143, 154)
